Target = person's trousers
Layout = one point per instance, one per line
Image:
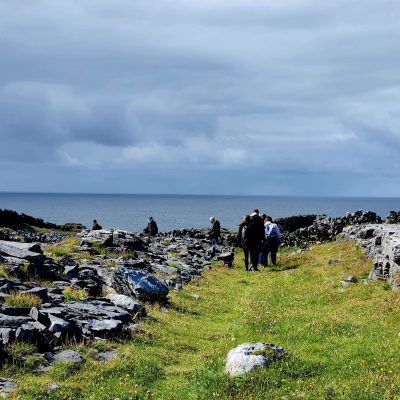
(271, 248)
(254, 254)
(246, 252)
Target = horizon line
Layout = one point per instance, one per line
(199, 195)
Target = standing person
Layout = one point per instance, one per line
(272, 240)
(215, 231)
(257, 234)
(152, 228)
(96, 226)
(244, 239)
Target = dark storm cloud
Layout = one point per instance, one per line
(219, 87)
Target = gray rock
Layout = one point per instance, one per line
(71, 356)
(52, 386)
(382, 244)
(7, 386)
(104, 328)
(127, 303)
(10, 321)
(140, 284)
(71, 271)
(7, 336)
(106, 356)
(39, 292)
(97, 309)
(248, 357)
(14, 249)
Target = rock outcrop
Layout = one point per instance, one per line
(382, 244)
(132, 268)
(326, 228)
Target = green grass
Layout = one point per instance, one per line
(341, 343)
(23, 300)
(4, 273)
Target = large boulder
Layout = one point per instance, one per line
(139, 284)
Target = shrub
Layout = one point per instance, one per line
(4, 273)
(21, 349)
(23, 300)
(72, 294)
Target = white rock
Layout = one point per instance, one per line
(242, 359)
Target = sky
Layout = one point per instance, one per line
(268, 97)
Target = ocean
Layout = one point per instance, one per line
(130, 212)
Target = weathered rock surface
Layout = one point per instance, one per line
(128, 303)
(22, 251)
(7, 386)
(139, 284)
(249, 357)
(70, 356)
(382, 244)
(326, 228)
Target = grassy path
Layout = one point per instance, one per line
(342, 343)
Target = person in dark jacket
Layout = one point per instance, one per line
(272, 240)
(244, 239)
(152, 228)
(215, 231)
(96, 226)
(257, 238)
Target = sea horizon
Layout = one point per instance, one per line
(176, 211)
(201, 195)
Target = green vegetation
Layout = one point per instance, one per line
(66, 248)
(341, 342)
(4, 273)
(72, 294)
(23, 300)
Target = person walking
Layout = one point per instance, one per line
(244, 239)
(272, 240)
(215, 231)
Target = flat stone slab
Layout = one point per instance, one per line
(126, 302)
(14, 249)
(71, 356)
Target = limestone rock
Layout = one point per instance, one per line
(248, 357)
(140, 284)
(71, 356)
(127, 303)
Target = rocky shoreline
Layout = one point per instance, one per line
(60, 287)
(116, 272)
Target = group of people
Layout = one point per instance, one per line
(258, 236)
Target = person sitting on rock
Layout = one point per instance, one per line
(272, 240)
(96, 226)
(215, 231)
(152, 228)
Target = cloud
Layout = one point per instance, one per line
(263, 87)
